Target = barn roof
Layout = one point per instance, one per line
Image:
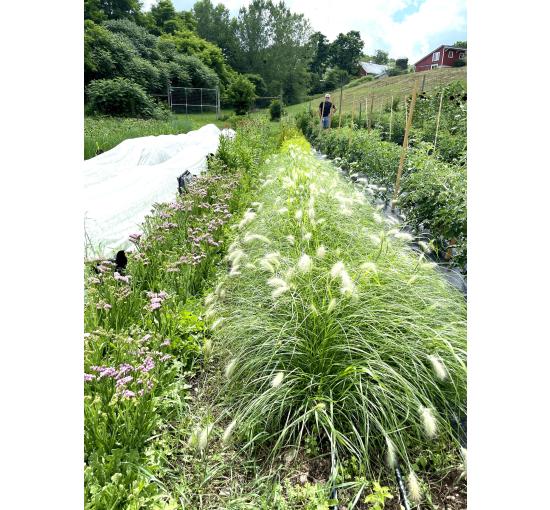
(372, 68)
(445, 47)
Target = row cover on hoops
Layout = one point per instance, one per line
(121, 185)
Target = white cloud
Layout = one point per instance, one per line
(412, 37)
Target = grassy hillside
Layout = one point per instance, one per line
(383, 89)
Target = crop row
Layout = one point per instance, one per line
(143, 325)
(432, 192)
(334, 329)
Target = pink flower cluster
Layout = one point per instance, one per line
(120, 278)
(102, 305)
(155, 300)
(134, 238)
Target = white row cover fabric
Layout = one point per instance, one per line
(122, 184)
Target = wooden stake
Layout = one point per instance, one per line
(366, 112)
(391, 114)
(371, 109)
(340, 117)
(405, 143)
(360, 105)
(438, 117)
(351, 126)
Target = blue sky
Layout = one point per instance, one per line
(404, 28)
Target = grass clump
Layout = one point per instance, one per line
(333, 327)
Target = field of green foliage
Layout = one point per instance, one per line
(274, 343)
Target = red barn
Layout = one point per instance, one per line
(444, 56)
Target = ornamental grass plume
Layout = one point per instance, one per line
(369, 267)
(414, 487)
(428, 422)
(439, 367)
(230, 368)
(228, 432)
(391, 454)
(249, 238)
(321, 252)
(277, 380)
(305, 264)
(337, 269)
(424, 246)
(203, 437)
(404, 236)
(280, 286)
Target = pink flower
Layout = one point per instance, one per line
(89, 377)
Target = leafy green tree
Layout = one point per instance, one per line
(93, 11)
(460, 44)
(321, 49)
(189, 43)
(106, 54)
(274, 44)
(335, 78)
(259, 83)
(241, 94)
(381, 57)
(115, 9)
(216, 25)
(402, 63)
(346, 51)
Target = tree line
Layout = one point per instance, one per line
(265, 50)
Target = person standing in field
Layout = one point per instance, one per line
(326, 109)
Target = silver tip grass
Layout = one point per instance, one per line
(359, 341)
(277, 380)
(403, 236)
(207, 349)
(230, 368)
(429, 422)
(279, 285)
(217, 323)
(336, 269)
(369, 267)
(375, 239)
(249, 238)
(247, 218)
(228, 432)
(307, 236)
(204, 434)
(414, 487)
(305, 264)
(299, 214)
(424, 246)
(439, 367)
(391, 453)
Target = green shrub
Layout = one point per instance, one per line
(241, 94)
(275, 109)
(120, 97)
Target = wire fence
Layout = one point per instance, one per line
(377, 94)
(194, 100)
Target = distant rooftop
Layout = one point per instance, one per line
(372, 68)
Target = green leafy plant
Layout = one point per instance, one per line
(377, 498)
